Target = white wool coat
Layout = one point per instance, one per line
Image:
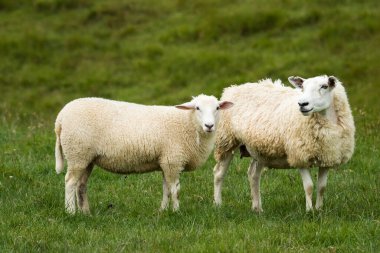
(129, 138)
(266, 118)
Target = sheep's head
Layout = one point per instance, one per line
(206, 111)
(316, 93)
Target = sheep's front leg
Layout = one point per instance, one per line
(171, 174)
(308, 187)
(254, 175)
(322, 182)
(166, 194)
(174, 191)
(219, 172)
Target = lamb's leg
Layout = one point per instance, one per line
(81, 190)
(174, 191)
(322, 181)
(308, 187)
(171, 174)
(254, 175)
(166, 194)
(71, 181)
(219, 172)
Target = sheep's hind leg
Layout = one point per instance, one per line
(254, 175)
(308, 187)
(71, 180)
(166, 194)
(219, 172)
(81, 190)
(322, 182)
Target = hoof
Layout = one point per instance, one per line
(257, 209)
(86, 212)
(218, 203)
(319, 208)
(70, 209)
(163, 208)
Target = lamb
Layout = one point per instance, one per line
(128, 138)
(281, 127)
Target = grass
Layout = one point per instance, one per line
(53, 51)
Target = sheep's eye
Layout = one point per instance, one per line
(197, 108)
(217, 108)
(325, 86)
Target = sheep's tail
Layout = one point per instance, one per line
(59, 162)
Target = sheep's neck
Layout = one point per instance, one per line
(204, 138)
(205, 141)
(329, 114)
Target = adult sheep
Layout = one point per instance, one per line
(281, 127)
(129, 138)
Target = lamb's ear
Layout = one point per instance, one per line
(186, 106)
(225, 105)
(296, 81)
(332, 81)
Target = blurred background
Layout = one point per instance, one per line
(163, 52)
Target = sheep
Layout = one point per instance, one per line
(281, 127)
(126, 138)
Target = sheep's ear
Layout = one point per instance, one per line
(296, 81)
(332, 81)
(186, 106)
(225, 105)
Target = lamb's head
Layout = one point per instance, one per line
(316, 92)
(205, 111)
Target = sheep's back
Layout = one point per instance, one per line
(266, 119)
(118, 134)
(256, 115)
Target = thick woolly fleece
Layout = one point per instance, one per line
(266, 118)
(129, 138)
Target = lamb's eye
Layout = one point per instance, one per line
(197, 108)
(325, 86)
(217, 108)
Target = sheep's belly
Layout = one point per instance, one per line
(270, 162)
(124, 168)
(189, 167)
(275, 163)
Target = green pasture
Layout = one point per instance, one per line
(163, 52)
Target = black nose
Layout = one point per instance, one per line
(209, 126)
(303, 104)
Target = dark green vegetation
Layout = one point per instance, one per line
(162, 52)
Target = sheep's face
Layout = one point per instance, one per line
(316, 93)
(206, 111)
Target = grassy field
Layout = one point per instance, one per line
(162, 52)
